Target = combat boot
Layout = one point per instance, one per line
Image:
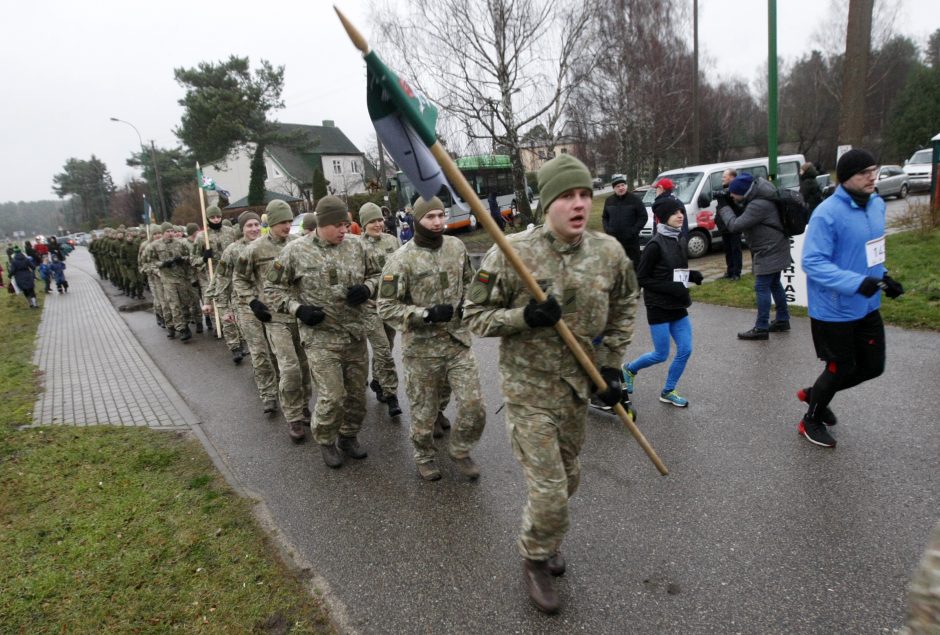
(296, 431)
(467, 466)
(440, 424)
(171, 333)
(186, 334)
(160, 322)
(556, 564)
(541, 586)
(198, 327)
(237, 356)
(331, 455)
(394, 409)
(270, 407)
(377, 389)
(350, 447)
(428, 471)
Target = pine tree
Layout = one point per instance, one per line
(258, 177)
(319, 184)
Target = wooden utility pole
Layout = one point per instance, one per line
(855, 72)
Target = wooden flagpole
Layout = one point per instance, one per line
(457, 179)
(205, 235)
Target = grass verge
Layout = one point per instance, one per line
(911, 259)
(108, 529)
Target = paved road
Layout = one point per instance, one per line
(754, 531)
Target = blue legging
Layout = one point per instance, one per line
(679, 330)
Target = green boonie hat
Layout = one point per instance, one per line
(422, 206)
(559, 175)
(213, 210)
(331, 210)
(191, 228)
(310, 221)
(166, 226)
(368, 213)
(278, 212)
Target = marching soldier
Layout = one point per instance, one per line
(590, 282)
(422, 295)
(220, 237)
(173, 258)
(148, 268)
(281, 329)
(325, 280)
(381, 336)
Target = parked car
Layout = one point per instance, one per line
(918, 169)
(598, 182)
(297, 225)
(694, 187)
(892, 181)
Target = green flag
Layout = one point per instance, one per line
(404, 120)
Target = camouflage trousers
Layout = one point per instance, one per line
(156, 290)
(546, 442)
(923, 612)
(262, 361)
(381, 338)
(294, 387)
(194, 313)
(230, 331)
(425, 381)
(176, 303)
(339, 372)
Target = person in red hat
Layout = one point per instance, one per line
(665, 188)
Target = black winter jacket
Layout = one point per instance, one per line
(660, 257)
(624, 217)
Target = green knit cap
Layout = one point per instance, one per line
(422, 207)
(166, 226)
(191, 228)
(213, 210)
(278, 211)
(559, 175)
(244, 217)
(156, 229)
(310, 221)
(368, 213)
(226, 222)
(331, 210)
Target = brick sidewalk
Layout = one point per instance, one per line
(94, 369)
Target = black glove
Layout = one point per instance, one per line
(357, 294)
(724, 200)
(206, 254)
(695, 277)
(440, 313)
(310, 314)
(166, 264)
(260, 310)
(892, 287)
(545, 313)
(614, 392)
(195, 284)
(179, 260)
(869, 287)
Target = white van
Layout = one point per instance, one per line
(694, 186)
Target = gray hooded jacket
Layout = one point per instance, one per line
(760, 222)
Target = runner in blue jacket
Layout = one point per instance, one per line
(843, 257)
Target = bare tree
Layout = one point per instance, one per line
(495, 67)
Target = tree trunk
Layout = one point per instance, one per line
(855, 76)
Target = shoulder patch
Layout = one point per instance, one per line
(481, 287)
(275, 272)
(389, 286)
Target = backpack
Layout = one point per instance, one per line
(794, 215)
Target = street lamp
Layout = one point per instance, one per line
(153, 160)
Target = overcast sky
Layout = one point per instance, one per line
(67, 67)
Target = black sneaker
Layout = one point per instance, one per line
(600, 405)
(778, 327)
(828, 416)
(816, 433)
(237, 356)
(754, 334)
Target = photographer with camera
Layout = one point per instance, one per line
(731, 241)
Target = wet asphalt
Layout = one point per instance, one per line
(754, 530)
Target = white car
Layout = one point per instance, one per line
(892, 181)
(918, 169)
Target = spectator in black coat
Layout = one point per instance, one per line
(624, 216)
(22, 270)
(809, 187)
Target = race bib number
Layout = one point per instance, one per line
(681, 275)
(875, 251)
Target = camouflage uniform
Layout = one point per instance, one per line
(923, 615)
(416, 278)
(172, 259)
(251, 268)
(313, 271)
(545, 389)
(229, 302)
(381, 335)
(219, 239)
(148, 268)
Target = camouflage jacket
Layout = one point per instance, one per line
(380, 249)
(168, 249)
(596, 286)
(220, 289)
(251, 269)
(219, 240)
(146, 261)
(416, 278)
(314, 272)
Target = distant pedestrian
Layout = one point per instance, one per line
(769, 245)
(663, 274)
(665, 188)
(495, 212)
(45, 274)
(809, 186)
(843, 257)
(624, 217)
(23, 271)
(58, 272)
(730, 241)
